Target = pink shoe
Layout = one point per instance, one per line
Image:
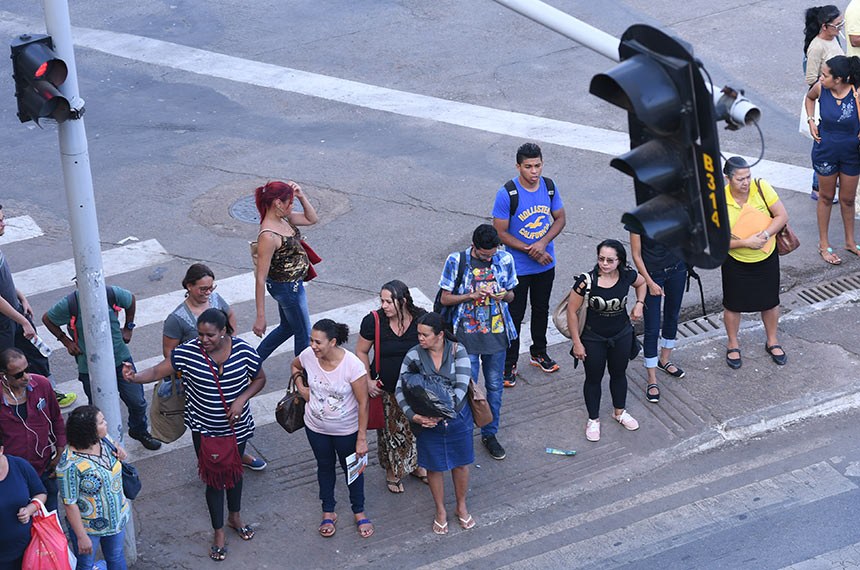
(592, 430)
(627, 421)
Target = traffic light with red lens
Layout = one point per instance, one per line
(674, 156)
(38, 73)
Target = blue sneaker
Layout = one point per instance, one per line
(256, 465)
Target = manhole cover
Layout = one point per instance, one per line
(245, 210)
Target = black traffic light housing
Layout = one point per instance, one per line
(675, 152)
(38, 73)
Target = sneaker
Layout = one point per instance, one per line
(544, 362)
(510, 377)
(592, 430)
(65, 400)
(627, 421)
(146, 439)
(494, 447)
(257, 464)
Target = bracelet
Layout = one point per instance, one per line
(640, 301)
(766, 235)
(810, 119)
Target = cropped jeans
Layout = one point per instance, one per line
(672, 280)
(295, 321)
(112, 550)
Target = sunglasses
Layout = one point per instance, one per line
(17, 376)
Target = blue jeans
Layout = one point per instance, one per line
(295, 321)
(328, 449)
(493, 365)
(112, 550)
(52, 488)
(672, 280)
(131, 395)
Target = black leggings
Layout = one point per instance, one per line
(601, 354)
(215, 497)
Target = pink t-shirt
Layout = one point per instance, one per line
(333, 409)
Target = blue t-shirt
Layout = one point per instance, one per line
(530, 222)
(16, 490)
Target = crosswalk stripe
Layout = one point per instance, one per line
(124, 259)
(847, 557)
(643, 538)
(20, 228)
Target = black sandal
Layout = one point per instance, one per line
(245, 532)
(653, 398)
(217, 553)
(733, 363)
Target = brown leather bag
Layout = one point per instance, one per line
(290, 411)
(481, 412)
(786, 239)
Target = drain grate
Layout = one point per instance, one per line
(829, 290)
(702, 325)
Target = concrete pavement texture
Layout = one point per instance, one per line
(712, 407)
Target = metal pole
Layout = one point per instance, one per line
(730, 104)
(83, 222)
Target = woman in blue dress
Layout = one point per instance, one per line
(835, 152)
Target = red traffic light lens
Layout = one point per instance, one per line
(43, 69)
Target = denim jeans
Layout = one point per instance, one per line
(52, 488)
(672, 280)
(112, 550)
(328, 449)
(295, 321)
(131, 395)
(538, 289)
(493, 365)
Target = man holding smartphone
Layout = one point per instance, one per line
(482, 321)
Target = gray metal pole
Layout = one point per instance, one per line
(83, 222)
(731, 105)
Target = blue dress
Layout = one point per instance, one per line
(447, 445)
(838, 149)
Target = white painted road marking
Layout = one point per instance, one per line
(519, 125)
(20, 228)
(846, 557)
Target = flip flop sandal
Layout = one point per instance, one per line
(466, 523)
(833, 260)
(366, 533)
(855, 251)
(394, 486)
(653, 398)
(422, 478)
(245, 532)
(324, 527)
(439, 528)
(217, 553)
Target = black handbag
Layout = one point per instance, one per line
(290, 411)
(131, 484)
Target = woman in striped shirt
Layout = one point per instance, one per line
(443, 445)
(240, 377)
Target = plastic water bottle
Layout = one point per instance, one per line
(40, 344)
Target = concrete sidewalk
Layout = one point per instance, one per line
(712, 406)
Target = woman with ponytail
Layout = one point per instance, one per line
(835, 152)
(335, 416)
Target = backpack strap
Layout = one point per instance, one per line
(461, 269)
(74, 315)
(550, 187)
(513, 193)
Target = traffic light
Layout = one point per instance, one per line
(38, 72)
(675, 153)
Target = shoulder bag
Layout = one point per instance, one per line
(219, 463)
(290, 411)
(376, 413)
(559, 314)
(131, 484)
(477, 398)
(313, 257)
(167, 410)
(786, 239)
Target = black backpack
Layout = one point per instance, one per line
(511, 187)
(447, 311)
(72, 300)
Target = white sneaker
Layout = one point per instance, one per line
(592, 430)
(627, 421)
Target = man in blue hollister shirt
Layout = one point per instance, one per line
(528, 214)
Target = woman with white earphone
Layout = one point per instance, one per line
(31, 420)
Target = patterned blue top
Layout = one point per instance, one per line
(94, 483)
(505, 275)
(204, 410)
(839, 120)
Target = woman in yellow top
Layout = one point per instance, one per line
(751, 270)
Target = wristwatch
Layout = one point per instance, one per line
(130, 326)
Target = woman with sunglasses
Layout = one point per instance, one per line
(607, 339)
(180, 326)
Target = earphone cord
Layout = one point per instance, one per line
(52, 440)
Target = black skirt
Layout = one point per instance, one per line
(751, 287)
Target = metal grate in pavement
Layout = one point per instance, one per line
(829, 290)
(702, 325)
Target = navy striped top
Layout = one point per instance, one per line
(204, 411)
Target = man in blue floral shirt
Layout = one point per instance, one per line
(482, 321)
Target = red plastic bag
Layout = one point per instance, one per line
(48, 549)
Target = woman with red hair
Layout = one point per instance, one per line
(282, 265)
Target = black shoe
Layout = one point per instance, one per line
(509, 378)
(780, 359)
(678, 373)
(146, 440)
(544, 362)
(734, 363)
(494, 447)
